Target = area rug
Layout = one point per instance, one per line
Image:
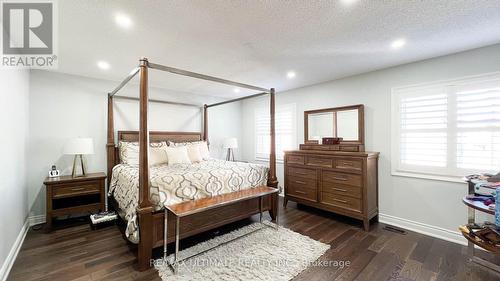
(266, 254)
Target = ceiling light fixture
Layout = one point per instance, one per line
(290, 74)
(104, 65)
(397, 44)
(348, 2)
(236, 90)
(123, 20)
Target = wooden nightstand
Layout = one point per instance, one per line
(72, 196)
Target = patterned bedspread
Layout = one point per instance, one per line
(180, 182)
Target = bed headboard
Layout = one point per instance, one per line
(155, 136)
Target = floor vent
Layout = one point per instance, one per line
(395, 229)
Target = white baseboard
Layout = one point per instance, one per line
(431, 230)
(34, 220)
(11, 257)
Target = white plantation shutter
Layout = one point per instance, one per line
(285, 131)
(423, 130)
(447, 129)
(478, 129)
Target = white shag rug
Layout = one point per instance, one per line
(267, 254)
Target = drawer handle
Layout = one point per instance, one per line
(301, 173)
(340, 179)
(339, 189)
(301, 182)
(78, 188)
(347, 163)
(300, 192)
(338, 200)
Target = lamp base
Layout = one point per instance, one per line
(230, 155)
(82, 164)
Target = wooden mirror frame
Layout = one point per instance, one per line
(361, 122)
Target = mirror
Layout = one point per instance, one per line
(342, 122)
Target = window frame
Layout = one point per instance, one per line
(451, 86)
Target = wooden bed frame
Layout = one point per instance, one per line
(151, 223)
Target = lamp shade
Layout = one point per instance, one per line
(79, 146)
(231, 143)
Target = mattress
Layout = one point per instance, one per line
(180, 182)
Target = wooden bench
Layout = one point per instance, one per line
(201, 205)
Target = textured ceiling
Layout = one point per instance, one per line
(257, 42)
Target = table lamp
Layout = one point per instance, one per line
(230, 144)
(79, 147)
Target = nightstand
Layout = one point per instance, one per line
(74, 196)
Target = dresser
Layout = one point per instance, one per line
(341, 182)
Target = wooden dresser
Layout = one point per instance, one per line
(341, 182)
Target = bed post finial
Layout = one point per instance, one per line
(272, 180)
(205, 123)
(143, 61)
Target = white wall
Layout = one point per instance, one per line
(14, 93)
(66, 106)
(424, 205)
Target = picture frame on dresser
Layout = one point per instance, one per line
(340, 178)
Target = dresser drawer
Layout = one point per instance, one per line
(319, 162)
(303, 182)
(351, 148)
(342, 190)
(341, 178)
(349, 165)
(352, 204)
(295, 159)
(301, 190)
(301, 172)
(76, 189)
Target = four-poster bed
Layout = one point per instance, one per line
(151, 221)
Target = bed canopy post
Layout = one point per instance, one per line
(110, 145)
(145, 208)
(205, 123)
(272, 180)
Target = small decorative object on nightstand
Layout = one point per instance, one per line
(230, 144)
(67, 195)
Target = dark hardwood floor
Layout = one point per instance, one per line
(78, 253)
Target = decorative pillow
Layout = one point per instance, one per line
(194, 153)
(129, 151)
(177, 155)
(205, 153)
(203, 146)
(157, 156)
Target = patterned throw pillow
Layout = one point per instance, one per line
(129, 151)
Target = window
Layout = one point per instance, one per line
(285, 131)
(448, 129)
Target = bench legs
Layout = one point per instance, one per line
(175, 264)
(176, 261)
